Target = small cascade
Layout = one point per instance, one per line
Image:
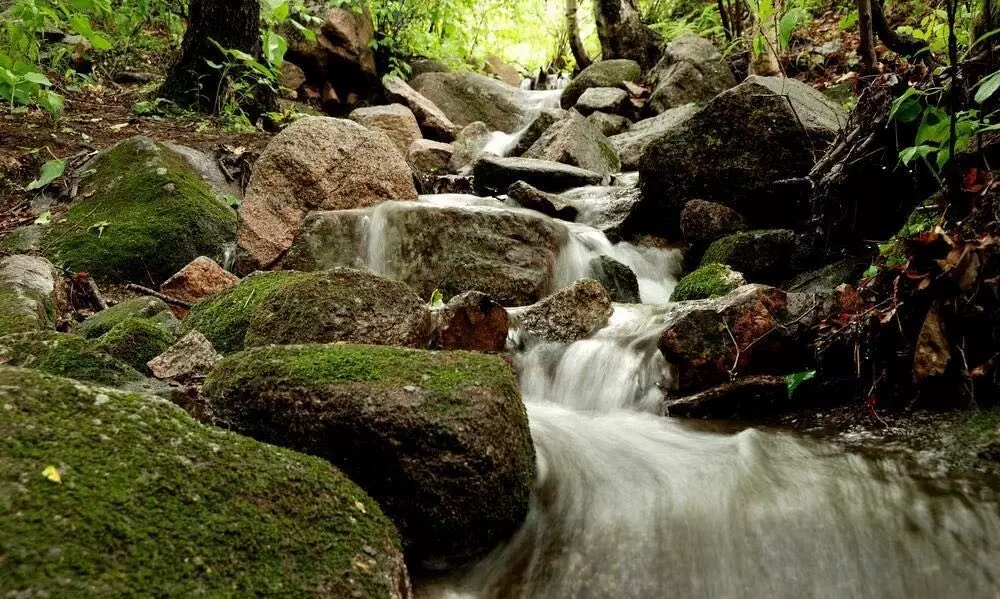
(500, 143)
(227, 257)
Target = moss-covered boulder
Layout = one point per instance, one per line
(110, 494)
(142, 213)
(31, 292)
(762, 256)
(146, 307)
(439, 439)
(287, 307)
(65, 355)
(136, 341)
(577, 141)
(606, 73)
(710, 281)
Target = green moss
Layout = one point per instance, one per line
(610, 155)
(923, 218)
(142, 215)
(23, 240)
(763, 255)
(150, 308)
(16, 315)
(136, 341)
(151, 502)
(709, 281)
(65, 355)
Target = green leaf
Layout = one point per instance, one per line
(437, 299)
(81, 24)
(910, 154)
(38, 78)
(275, 47)
(52, 102)
(870, 272)
(849, 20)
(796, 379)
(987, 87)
(788, 24)
(307, 33)
(51, 170)
(44, 218)
(907, 108)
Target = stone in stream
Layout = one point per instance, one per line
(66, 355)
(606, 73)
(107, 481)
(734, 150)
(429, 157)
(762, 256)
(317, 163)
(569, 315)
(707, 282)
(745, 398)
(610, 210)
(494, 175)
(141, 214)
(470, 97)
(439, 439)
(192, 356)
(469, 145)
(577, 142)
(472, 321)
(395, 120)
(692, 70)
(611, 100)
(609, 124)
(31, 294)
(434, 123)
(632, 143)
(289, 307)
(618, 279)
(547, 203)
(147, 307)
(539, 125)
(704, 222)
(201, 278)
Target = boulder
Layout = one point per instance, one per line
(707, 282)
(618, 279)
(611, 210)
(609, 124)
(27, 239)
(434, 123)
(31, 294)
(291, 78)
(631, 144)
(116, 494)
(745, 398)
(439, 439)
(539, 125)
(470, 97)
(192, 356)
(734, 149)
(395, 120)
(469, 145)
(136, 341)
(829, 277)
(611, 100)
(317, 163)
(569, 315)
(577, 142)
(692, 70)
(148, 307)
(288, 307)
(472, 321)
(606, 73)
(503, 71)
(141, 214)
(419, 66)
(201, 278)
(428, 157)
(762, 256)
(494, 175)
(65, 355)
(327, 239)
(704, 222)
(534, 199)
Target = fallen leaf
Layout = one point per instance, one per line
(52, 474)
(933, 353)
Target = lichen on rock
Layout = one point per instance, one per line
(708, 282)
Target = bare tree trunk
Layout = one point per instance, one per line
(866, 47)
(765, 30)
(623, 35)
(575, 43)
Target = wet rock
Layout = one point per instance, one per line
(495, 175)
(534, 199)
(762, 256)
(395, 120)
(708, 282)
(692, 70)
(136, 341)
(327, 239)
(31, 294)
(619, 280)
(541, 123)
(470, 97)
(66, 355)
(828, 277)
(745, 398)
(606, 73)
(141, 214)
(472, 321)
(232, 511)
(201, 278)
(469, 145)
(632, 143)
(609, 124)
(317, 163)
(434, 123)
(610, 210)
(735, 149)
(610, 100)
(703, 222)
(427, 156)
(191, 357)
(439, 439)
(577, 142)
(574, 313)
(148, 307)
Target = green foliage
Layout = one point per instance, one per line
(933, 28)
(51, 170)
(796, 379)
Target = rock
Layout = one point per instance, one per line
(292, 77)
(631, 144)
(434, 124)
(31, 294)
(828, 277)
(618, 279)
(439, 439)
(192, 356)
(429, 157)
(539, 125)
(136, 341)
(574, 313)
(708, 282)
(606, 73)
(734, 149)
(327, 239)
(577, 142)
(201, 278)
(534, 199)
(495, 175)
(610, 210)
(692, 70)
(469, 145)
(762, 256)
(610, 100)
(472, 321)
(23, 240)
(133, 476)
(142, 213)
(745, 398)
(704, 222)
(65, 355)
(317, 163)
(470, 97)
(147, 307)
(609, 124)
(419, 66)
(292, 307)
(503, 71)
(395, 120)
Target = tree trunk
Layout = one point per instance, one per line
(575, 43)
(866, 47)
(234, 25)
(623, 35)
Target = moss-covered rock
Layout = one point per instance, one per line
(762, 256)
(65, 355)
(30, 294)
(147, 307)
(710, 281)
(439, 439)
(109, 494)
(136, 341)
(141, 215)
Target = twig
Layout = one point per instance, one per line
(92, 286)
(158, 295)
